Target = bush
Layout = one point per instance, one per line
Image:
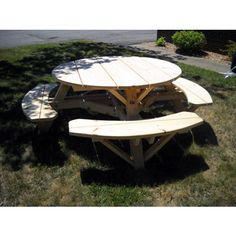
(189, 41)
(231, 48)
(161, 41)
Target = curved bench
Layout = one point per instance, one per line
(36, 107)
(134, 129)
(196, 95)
(164, 127)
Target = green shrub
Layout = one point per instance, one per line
(189, 41)
(161, 41)
(231, 48)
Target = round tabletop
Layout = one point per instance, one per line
(116, 72)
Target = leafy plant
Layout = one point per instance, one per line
(231, 48)
(190, 41)
(161, 41)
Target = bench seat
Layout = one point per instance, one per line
(195, 94)
(35, 104)
(136, 129)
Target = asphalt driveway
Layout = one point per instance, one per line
(13, 38)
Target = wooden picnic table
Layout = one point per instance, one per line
(128, 79)
(122, 87)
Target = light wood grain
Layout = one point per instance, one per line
(104, 129)
(93, 74)
(194, 93)
(116, 72)
(35, 103)
(153, 71)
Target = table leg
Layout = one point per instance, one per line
(61, 92)
(132, 110)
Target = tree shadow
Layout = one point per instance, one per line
(17, 77)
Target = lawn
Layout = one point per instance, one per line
(195, 169)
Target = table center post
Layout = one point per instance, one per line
(132, 110)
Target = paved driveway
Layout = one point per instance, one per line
(13, 38)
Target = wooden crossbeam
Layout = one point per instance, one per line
(165, 96)
(118, 96)
(157, 146)
(144, 93)
(118, 108)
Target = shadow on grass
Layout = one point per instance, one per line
(204, 135)
(17, 77)
(47, 149)
(169, 165)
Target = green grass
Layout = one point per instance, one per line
(57, 169)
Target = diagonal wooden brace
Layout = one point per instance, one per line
(116, 150)
(157, 146)
(118, 96)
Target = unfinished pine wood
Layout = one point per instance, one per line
(103, 129)
(93, 74)
(68, 74)
(116, 72)
(194, 93)
(35, 103)
(153, 71)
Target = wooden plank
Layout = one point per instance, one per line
(35, 103)
(93, 74)
(47, 112)
(171, 70)
(123, 75)
(32, 102)
(152, 70)
(116, 72)
(195, 94)
(67, 73)
(103, 129)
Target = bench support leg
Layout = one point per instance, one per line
(116, 150)
(62, 91)
(136, 150)
(157, 146)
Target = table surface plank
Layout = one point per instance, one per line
(116, 72)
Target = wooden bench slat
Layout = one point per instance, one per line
(47, 112)
(195, 94)
(103, 129)
(35, 103)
